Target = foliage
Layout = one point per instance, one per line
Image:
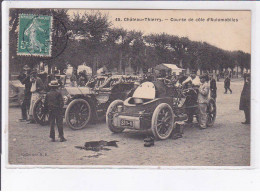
(91, 39)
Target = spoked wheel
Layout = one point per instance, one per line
(112, 109)
(78, 114)
(162, 121)
(211, 112)
(40, 115)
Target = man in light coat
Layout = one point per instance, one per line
(203, 98)
(36, 89)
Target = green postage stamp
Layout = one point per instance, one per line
(34, 36)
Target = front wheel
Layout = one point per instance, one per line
(211, 112)
(162, 121)
(112, 109)
(40, 115)
(78, 114)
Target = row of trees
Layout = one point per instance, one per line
(92, 39)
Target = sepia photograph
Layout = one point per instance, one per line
(129, 87)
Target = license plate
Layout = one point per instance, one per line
(126, 123)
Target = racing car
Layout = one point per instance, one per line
(155, 108)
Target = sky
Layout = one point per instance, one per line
(234, 33)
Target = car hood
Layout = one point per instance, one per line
(77, 90)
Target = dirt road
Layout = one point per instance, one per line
(227, 143)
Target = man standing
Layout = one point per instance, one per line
(24, 78)
(37, 87)
(54, 104)
(245, 99)
(213, 88)
(227, 84)
(203, 101)
(194, 80)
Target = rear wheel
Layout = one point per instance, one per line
(112, 109)
(40, 115)
(78, 114)
(211, 112)
(162, 121)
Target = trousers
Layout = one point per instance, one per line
(55, 116)
(228, 88)
(25, 106)
(247, 114)
(203, 115)
(34, 97)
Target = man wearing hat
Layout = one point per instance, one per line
(24, 78)
(54, 104)
(203, 96)
(245, 99)
(37, 87)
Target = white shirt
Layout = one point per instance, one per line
(33, 88)
(195, 81)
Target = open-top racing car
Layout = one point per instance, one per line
(156, 108)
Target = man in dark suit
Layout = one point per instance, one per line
(54, 104)
(227, 84)
(245, 99)
(24, 78)
(213, 88)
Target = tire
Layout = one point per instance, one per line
(78, 114)
(109, 116)
(211, 112)
(162, 121)
(39, 114)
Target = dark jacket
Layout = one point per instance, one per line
(227, 82)
(245, 97)
(25, 80)
(53, 100)
(213, 88)
(39, 85)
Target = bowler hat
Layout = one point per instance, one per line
(54, 83)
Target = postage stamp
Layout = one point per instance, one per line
(34, 36)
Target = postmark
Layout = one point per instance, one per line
(35, 35)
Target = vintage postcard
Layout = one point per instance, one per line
(130, 87)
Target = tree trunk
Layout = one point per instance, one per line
(120, 63)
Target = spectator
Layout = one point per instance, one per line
(227, 85)
(54, 104)
(37, 87)
(24, 78)
(213, 88)
(202, 101)
(245, 99)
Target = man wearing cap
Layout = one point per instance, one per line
(203, 96)
(245, 99)
(54, 104)
(24, 78)
(37, 87)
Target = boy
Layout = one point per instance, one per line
(54, 104)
